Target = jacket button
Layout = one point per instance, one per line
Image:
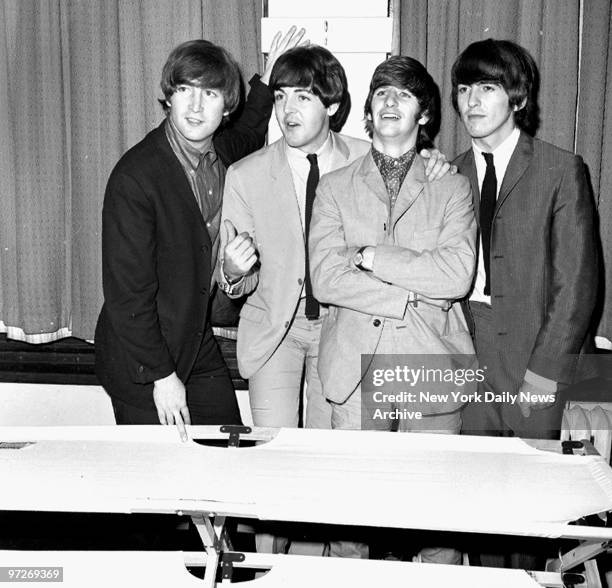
(199, 333)
(204, 248)
(203, 290)
(287, 325)
(300, 281)
(140, 369)
(376, 322)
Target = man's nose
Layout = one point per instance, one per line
(196, 99)
(290, 104)
(473, 96)
(390, 98)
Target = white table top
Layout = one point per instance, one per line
(456, 483)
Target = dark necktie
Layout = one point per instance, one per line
(312, 306)
(488, 198)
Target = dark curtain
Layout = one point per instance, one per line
(570, 41)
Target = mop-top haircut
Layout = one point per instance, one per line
(507, 64)
(203, 64)
(408, 73)
(315, 68)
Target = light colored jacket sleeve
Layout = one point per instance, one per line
(335, 279)
(443, 269)
(237, 208)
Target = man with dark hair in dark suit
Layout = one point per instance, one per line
(534, 291)
(155, 351)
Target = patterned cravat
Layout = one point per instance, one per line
(393, 170)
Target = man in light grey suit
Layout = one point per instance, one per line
(267, 198)
(391, 252)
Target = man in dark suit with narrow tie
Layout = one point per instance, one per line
(535, 286)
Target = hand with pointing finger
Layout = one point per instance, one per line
(239, 255)
(170, 400)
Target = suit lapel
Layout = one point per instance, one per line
(283, 191)
(410, 190)
(373, 179)
(340, 152)
(468, 168)
(175, 170)
(518, 164)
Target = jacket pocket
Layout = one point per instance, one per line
(427, 239)
(459, 343)
(252, 313)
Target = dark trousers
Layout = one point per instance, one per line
(210, 394)
(211, 401)
(504, 372)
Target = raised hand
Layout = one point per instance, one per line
(293, 38)
(239, 254)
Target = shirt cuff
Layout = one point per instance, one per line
(540, 381)
(603, 343)
(225, 284)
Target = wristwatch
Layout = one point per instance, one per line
(228, 285)
(358, 259)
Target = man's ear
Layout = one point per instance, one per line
(333, 108)
(423, 119)
(520, 106)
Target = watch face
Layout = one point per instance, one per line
(358, 258)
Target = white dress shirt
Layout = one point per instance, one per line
(501, 159)
(300, 168)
